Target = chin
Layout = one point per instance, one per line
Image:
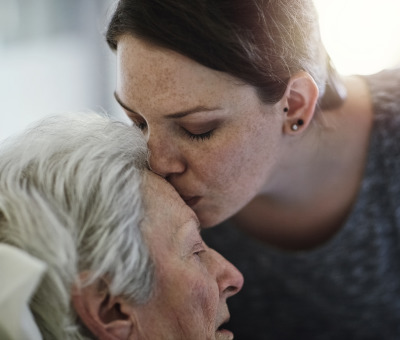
(208, 220)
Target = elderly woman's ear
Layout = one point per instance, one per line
(107, 317)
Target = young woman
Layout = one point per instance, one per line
(246, 117)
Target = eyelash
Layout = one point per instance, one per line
(195, 137)
(140, 125)
(199, 251)
(200, 137)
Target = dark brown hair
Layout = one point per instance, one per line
(261, 42)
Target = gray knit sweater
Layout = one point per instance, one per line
(348, 288)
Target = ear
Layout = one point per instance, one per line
(107, 317)
(300, 99)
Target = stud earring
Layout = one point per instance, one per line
(295, 126)
(285, 109)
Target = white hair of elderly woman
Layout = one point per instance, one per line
(70, 196)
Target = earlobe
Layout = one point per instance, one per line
(300, 101)
(107, 317)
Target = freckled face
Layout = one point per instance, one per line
(209, 135)
(192, 280)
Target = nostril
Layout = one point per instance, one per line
(232, 290)
(235, 284)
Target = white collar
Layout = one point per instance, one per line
(20, 274)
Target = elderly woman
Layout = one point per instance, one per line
(124, 256)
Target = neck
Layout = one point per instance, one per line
(315, 185)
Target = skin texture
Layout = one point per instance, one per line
(192, 280)
(229, 154)
(224, 170)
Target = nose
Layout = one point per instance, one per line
(165, 157)
(229, 278)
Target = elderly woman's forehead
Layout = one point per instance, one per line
(161, 198)
(155, 184)
(152, 181)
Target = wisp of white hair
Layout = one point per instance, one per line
(70, 195)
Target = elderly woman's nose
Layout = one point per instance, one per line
(230, 279)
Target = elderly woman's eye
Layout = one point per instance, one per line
(199, 249)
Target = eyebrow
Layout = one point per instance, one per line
(196, 220)
(179, 114)
(198, 225)
(190, 219)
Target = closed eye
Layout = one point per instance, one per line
(139, 122)
(141, 125)
(199, 249)
(200, 136)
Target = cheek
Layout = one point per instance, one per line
(207, 296)
(193, 309)
(242, 160)
(189, 290)
(185, 308)
(205, 305)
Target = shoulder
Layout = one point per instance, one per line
(385, 80)
(385, 136)
(385, 92)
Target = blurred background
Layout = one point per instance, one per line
(53, 56)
